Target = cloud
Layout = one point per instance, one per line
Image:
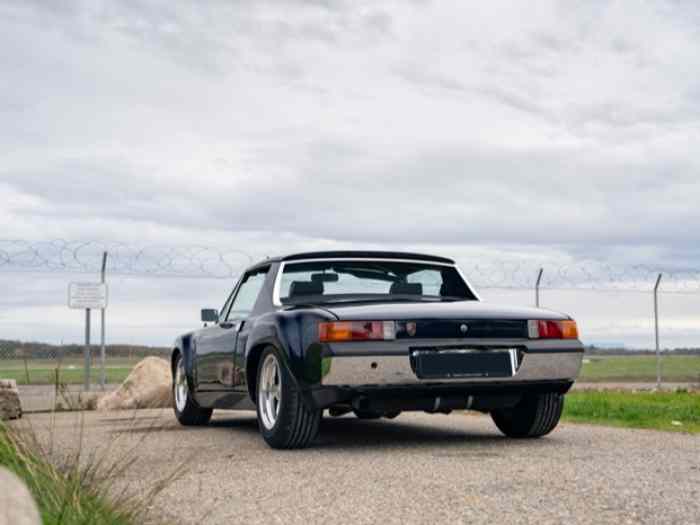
(544, 132)
(257, 118)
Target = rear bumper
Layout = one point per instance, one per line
(395, 370)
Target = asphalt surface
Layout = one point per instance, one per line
(418, 468)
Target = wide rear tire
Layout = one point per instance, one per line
(536, 415)
(284, 420)
(187, 410)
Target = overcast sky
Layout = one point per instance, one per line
(545, 131)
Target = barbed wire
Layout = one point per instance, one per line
(61, 256)
(124, 258)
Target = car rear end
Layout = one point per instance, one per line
(444, 364)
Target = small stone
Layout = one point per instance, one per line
(17, 507)
(676, 423)
(10, 407)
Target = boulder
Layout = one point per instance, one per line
(10, 407)
(149, 385)
(17, 507)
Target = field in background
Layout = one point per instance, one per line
(596, 369)
(640, 368)
(70, 371)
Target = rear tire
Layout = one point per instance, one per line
(284, 420)
(187, 410)
(536, 415)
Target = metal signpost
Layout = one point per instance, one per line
(87, 296)
(103, 351)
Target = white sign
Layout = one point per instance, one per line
(87, 295)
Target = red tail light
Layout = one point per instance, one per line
(552, 329)
(356, 331)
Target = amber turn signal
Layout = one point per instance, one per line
(356, 331)
(552, 329)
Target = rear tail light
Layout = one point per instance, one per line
(356, 331)
(552, 329)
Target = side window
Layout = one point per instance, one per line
(431, 280)
(247, 295)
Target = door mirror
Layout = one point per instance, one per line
(210, 315)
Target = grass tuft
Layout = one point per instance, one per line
(82, 488)
(63, 497)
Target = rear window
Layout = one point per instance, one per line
(346, 280)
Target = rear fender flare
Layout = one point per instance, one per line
(291, 333)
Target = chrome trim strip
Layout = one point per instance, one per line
(396, 370)
(278, 278)
(404, 345)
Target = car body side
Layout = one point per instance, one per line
(292, 332)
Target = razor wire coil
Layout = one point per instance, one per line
(133, 259)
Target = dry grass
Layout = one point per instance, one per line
(84, 487)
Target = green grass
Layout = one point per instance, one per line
(70, 497)
(71, 371)
(653, 410)
(636, 368)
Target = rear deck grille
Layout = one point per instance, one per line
(476, 329)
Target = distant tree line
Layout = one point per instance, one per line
(18, 350)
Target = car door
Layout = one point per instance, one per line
(217, 369)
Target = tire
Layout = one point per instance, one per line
(284, 420)
(536, 415)
(187, 410)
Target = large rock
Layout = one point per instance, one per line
(149, 385)
(10, 407)
(17, 507)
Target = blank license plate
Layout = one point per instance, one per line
(465, 363)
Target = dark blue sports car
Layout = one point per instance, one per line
(373, 333)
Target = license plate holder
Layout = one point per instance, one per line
(464, 363)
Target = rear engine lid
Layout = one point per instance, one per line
(436, 311)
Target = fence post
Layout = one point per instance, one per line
(87, 350)
(656, 331)
(537, 287)
(103, 351)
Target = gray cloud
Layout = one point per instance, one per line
(554, 132)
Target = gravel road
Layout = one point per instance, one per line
(417, 468)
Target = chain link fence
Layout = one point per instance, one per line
(44, 365)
